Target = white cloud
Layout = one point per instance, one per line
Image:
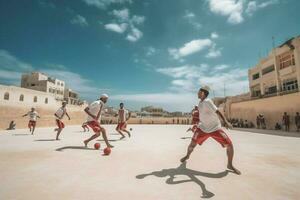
(150, 51)
(191, 18)
(102, 4)
(213, 52)
(253, 6)
(189, 48)
(79, 20)
(118, 28)
(10, 62)
(232, 9)
(126, 24)
(122, 15)
(134, 35)
(189, 78)
(137, 19)
(214, 35)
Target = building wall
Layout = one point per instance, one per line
(272, 108)
(13, 109)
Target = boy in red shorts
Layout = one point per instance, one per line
(33, 115)
(195, 119)
(122, 120)
(93, 120)
(210, 126)
(59, 114)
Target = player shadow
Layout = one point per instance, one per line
(189, 173)
(74, 147)
(21, 134)
(184, 138)
(110, 140)
(45, 140)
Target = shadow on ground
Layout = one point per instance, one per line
(190, 174)
(74, 147)
(21, 134)
(45, 140)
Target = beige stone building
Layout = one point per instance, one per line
(279, 73)
(41, 82)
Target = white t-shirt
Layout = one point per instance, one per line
(122, 115)
(61, 112)
(209, 120)
(94, 109)
(32, 115)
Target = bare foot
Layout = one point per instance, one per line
(85, 143)
(235, 170)
(184, 159)
(110, 146)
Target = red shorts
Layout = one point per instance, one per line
(219, 135)
(95, 126)
(122, 125)
(60, 124)
(31, 123)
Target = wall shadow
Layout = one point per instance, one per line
(189, 173)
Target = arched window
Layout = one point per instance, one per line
(46, 100)
(35, 99)
(6, 96)
(21, 97)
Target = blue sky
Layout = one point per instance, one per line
(143, 52)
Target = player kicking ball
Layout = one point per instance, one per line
(210, 126)
(59, 114)
(195, 119)
(122, 121)
(93, 120)
(33, 115)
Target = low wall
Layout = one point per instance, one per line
(272, 108)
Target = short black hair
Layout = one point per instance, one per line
(205, 92)
(121, 103)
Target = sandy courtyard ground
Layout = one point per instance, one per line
(146, 166)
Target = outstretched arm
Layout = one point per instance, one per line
(226, 123)
(24, 115)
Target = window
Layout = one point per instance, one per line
(286, 60)
(35, 99)
(62, 84)
(290, 85)
(271, 90)
(32, 84)
(46, 100)
(6, 96)
(21, 97)
(268, 69)
(255, 76)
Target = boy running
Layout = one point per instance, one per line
(195, 119)
(122, 121)
(59, 114)
(33, 115)
(93, 120)
(210, 126)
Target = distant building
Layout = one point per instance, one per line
(72, 97)
(41, 82)
(279, 73)
(153, 111)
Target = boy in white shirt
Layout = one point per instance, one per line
(210, 126)
(33, 115)
(122, 120)
(93, 120)
(59, 114)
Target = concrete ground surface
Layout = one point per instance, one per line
(146, 166)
